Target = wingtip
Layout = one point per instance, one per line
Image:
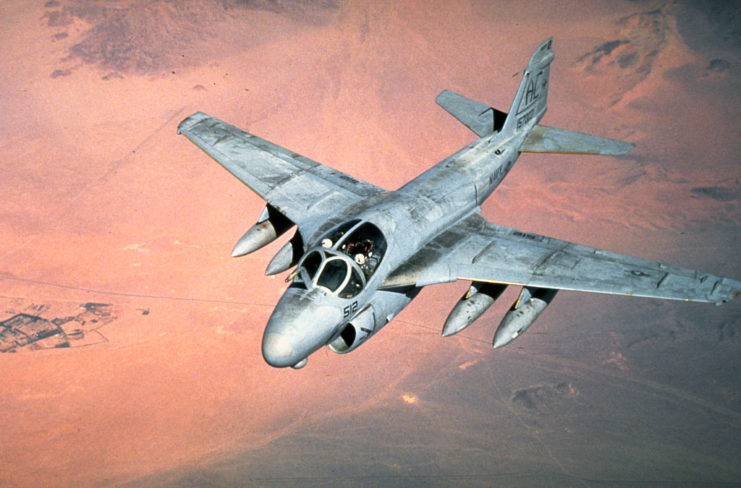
(442, 96)
(725, 290)
(190, 121)
(731, 296)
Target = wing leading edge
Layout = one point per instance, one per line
(295, 185)
(478, 250)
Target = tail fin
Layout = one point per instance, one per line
(529, 104)
(527, 109)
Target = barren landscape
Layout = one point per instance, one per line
(132, 338)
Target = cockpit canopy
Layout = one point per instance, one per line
(345, 259)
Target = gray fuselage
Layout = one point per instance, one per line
(309, 317)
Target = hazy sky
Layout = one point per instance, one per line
(165, 385)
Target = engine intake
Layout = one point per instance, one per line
(355, 332)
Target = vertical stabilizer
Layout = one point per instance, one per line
(530, 102)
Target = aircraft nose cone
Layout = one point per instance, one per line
(278, 350)
(299, 325)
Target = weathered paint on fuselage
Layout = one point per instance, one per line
(306, 320)
(446, 193)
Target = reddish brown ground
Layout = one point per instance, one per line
(103, 202)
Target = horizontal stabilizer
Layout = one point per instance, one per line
(552, 140)
(480, 118)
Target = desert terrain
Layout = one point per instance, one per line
(132, 339)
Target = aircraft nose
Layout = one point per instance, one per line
(278, 351)
(299, 325)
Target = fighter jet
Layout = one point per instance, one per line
(361, 253)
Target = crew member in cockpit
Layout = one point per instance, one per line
(362, 254)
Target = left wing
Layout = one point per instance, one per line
(296, 186)
(477, 250)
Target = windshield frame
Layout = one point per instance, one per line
(343, 289)
(360, 244)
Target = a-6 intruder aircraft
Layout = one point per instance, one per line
(363, 253)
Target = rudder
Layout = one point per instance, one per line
(529, 104)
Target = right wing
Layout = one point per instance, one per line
(295, 185)
(477, 250)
